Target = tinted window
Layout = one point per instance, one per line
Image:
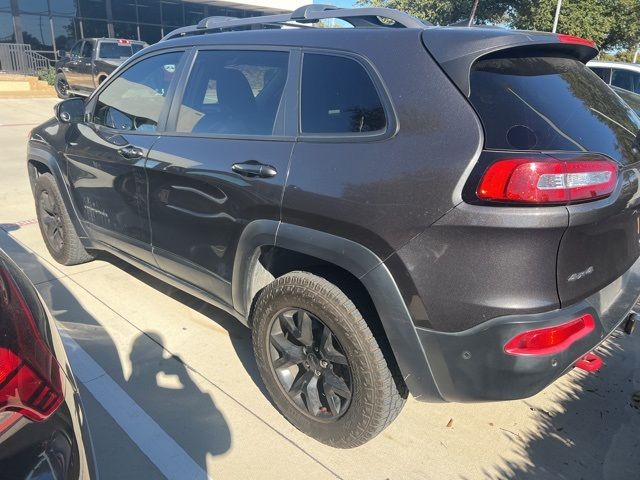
(6, 28)
(235, 92)
(550, 103)
(135, 99)
(626, 79)
(75, 51)
(65, 32)
(603, 73)
(117, 50)
(36, 31)
(338, 96)
(87, 49)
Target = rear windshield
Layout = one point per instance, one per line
(117, 50)
(551, 103)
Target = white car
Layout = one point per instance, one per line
(618, 74)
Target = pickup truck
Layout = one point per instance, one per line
(89, 62)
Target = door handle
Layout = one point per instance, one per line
(130, 152)
(254, 169)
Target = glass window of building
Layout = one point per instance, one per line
(64, 7)
(193, 13)
(149, 11)
(6, 28)
(36, 31)
(34, 6)
(124, 10)
(65, 32)
(94, 28)
(93, 8)
(172, 13)
(5, 5)
(150, 33)
(125, 30)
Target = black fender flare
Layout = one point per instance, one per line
(364, 265)
(43, 155)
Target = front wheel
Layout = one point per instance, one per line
(62, 86)
(321, 363)
(57, 230)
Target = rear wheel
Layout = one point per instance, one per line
(320, 362)
(58, 232)
(62, 86)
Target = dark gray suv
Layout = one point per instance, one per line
(391, 208)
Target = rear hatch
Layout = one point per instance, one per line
(541, 100)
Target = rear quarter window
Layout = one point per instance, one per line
(339, 97)
(550, 103)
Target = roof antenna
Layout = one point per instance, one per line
(472, 17)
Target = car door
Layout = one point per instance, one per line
(71, 68)
(222, 161)
(85, 66)
(106, 153)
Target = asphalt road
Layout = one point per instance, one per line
(171, 389)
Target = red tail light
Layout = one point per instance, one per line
(563, 38)
(548, 180)
(30, 377)
(550, 340)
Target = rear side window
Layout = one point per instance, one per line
(233, 92)
(603, 73)
(550, 103)
(339, 97)
(626, 79)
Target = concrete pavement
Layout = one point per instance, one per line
(187, 372)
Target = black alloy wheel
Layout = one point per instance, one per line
(310, 364)
(52, 221)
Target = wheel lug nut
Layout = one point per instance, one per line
(317, 372)
(323, 363)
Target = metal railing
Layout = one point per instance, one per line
(18, 58)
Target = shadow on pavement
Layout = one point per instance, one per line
(183, 411)
(239, 334)
(594, 432)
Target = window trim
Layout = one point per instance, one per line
(93, 98)
(284, 113)
(392, 126)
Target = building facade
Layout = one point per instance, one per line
(50, 26)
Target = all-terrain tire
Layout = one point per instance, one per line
(56, 227)
(61, 86)
(376, 399)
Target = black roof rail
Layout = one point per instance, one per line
(358, 17)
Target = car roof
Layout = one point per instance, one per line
(609, 64)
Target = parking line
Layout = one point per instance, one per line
(163, 451)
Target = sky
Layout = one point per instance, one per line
(338, 3)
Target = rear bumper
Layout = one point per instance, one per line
(472, 366)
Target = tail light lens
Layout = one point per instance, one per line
(563, 38)
(546, 180)
(550, 340)
(30, 377)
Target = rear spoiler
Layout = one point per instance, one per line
(457, 48)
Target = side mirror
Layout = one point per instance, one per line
(63, 54)
(70, 110)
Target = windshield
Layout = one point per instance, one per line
(115, 50)
(551, 103)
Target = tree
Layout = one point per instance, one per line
(443, 12)
(612, 24)
(609, 23)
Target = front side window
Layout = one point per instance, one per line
(87, 50)
(626, 79)
(75, 51)
(233, 92)
(136, 98)
(338, 97)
